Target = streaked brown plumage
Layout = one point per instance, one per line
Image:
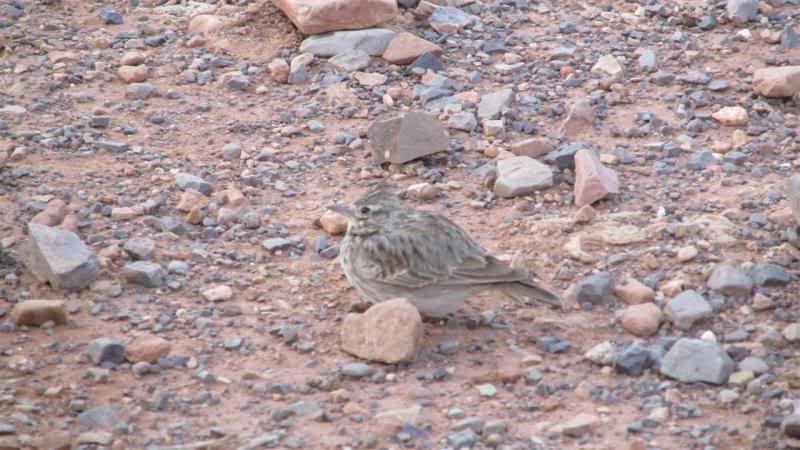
(393, 251)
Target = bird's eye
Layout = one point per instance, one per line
(365, 210)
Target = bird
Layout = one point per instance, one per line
(390, 250)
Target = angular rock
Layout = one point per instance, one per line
(320, 16)
(769, 275)
(34, 313)
(521, 175)
(696, 360)
(147, 274)
(350, 61)
(789, 38)
(374, 41)
(634, 360)
(389, 332)
(601, 354)
(607, 64)
(742, 11)
(405, 48)
(218, 293)
(404, 138)
(60, 258)
(491, 105)
(581, 116)
(687, 308)
(595, 289)
(447, 19)
(189, 181)
(463, 121)
(642, 320)
(593, 181)
(148, 349)
(730, 280)
(106, 349)
(777, 81)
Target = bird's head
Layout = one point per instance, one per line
(372, 211)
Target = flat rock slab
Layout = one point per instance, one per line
(59, 257)
(34, 313)
(401, 139)
(372, 40)
(389, 332)
(693, 360)
(321, 16)
(521, 175)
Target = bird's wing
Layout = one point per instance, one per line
(429, 249)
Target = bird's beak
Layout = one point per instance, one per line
(341, 208)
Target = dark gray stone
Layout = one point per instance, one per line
(357, 370)
(595, 290)
(106, 349)
(634, 360)
(770, 275)
(110, 16)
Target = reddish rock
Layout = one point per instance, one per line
(777, 81)
(731, 116)
(148, 349)
(389, 332)
(633, 292)
(279, 70)
(53, 214)
(34, 313)
(405, 48)
(642, 320)
(532, 148)
(593, 181)
(132, 74)
(333, 223)
(133, 59)
(320, 16)
(585, 214)
(581, 116)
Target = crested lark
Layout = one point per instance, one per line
(393, 251)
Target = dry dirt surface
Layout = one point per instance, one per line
(226, 336)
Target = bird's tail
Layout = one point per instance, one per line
(525, 291)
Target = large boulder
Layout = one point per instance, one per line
(59, 257)
(320, 16)
(404, 138)
(389, 332)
